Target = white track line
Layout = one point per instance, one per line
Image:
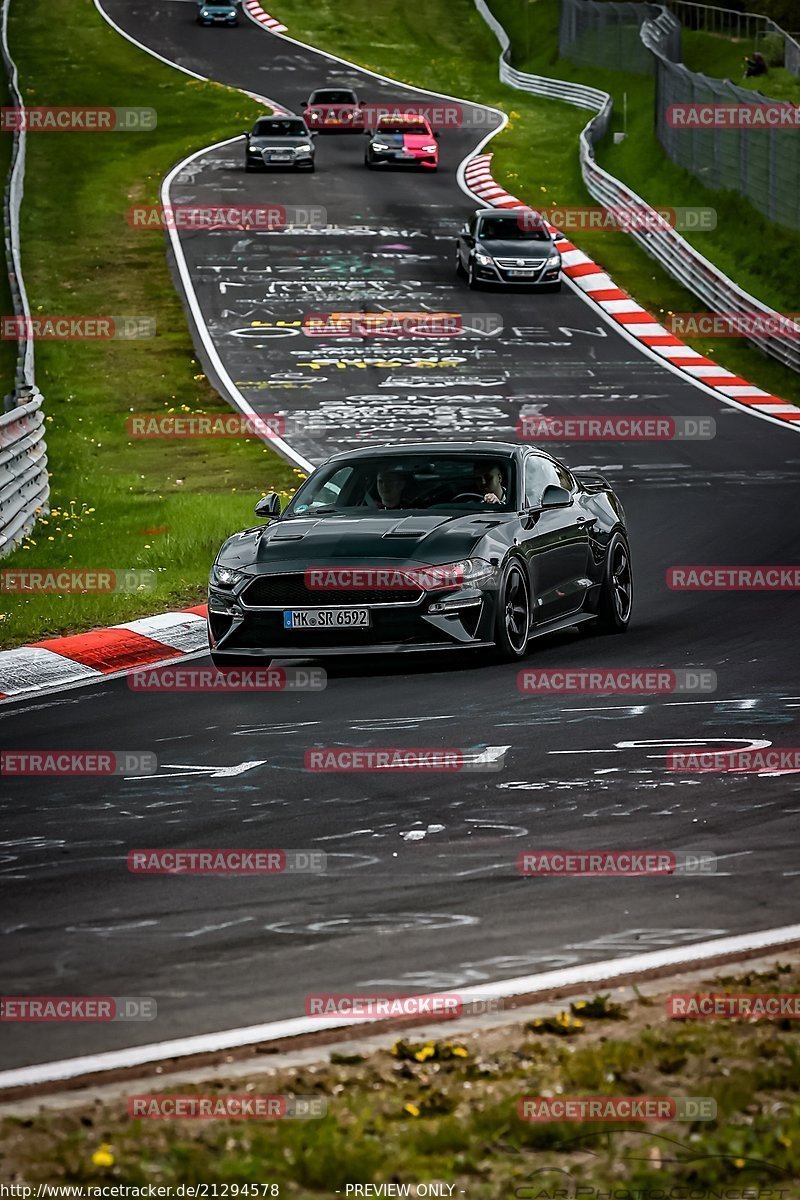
(228, 1039)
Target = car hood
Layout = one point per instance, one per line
(407, 141)
(383, 538)
(262, 140)
(515, 249)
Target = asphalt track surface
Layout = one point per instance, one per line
(421, 890)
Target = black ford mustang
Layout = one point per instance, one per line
(423, 548)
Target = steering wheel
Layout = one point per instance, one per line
(467, 496)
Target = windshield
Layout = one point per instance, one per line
(333, 97)
(408, 483)
(510, 229)
(392, 125)
(280, 129)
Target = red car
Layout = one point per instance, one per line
(334, 110)
(404, 141)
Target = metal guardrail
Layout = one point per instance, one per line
(24, 481)
(678, 258)
(24, 484)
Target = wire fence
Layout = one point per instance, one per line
(24, 480)
(744, 26)
(761, 162)
(663, 243)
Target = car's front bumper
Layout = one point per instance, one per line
(545, 277)
(399, 158)
(394, 628)
(256, 159)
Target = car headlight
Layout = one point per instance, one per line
(306, 147)
(464, 573)
(429, 149)
(379, 146)
(483, 259)
(554, 260)
(226, 577)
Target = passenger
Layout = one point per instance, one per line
(390, 489)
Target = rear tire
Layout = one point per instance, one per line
(513, 615)
(616, 591)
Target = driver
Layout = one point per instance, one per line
(389, 484)
(491, 483)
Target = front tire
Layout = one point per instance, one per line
(513, 615)
(616, 593)
(472, 282)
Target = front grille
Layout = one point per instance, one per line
(289, 591)
(512, 264)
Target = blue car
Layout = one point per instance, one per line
(217, 13)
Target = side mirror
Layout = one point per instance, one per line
(554, 496)
(559, 238)
(269, 505)
(312, 133)
(436, 135)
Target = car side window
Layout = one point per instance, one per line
(564, 477)
(539, 472)
(329, 494)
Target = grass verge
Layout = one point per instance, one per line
(536, 157)
(447, 1111)
(119, 503)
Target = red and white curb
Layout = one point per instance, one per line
(635, 321)
(257, 13)
(90, 657)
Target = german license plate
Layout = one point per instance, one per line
(280, 155)
(326, 618)
(526, 273)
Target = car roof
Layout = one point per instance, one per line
(499, 449)
(503, 212)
